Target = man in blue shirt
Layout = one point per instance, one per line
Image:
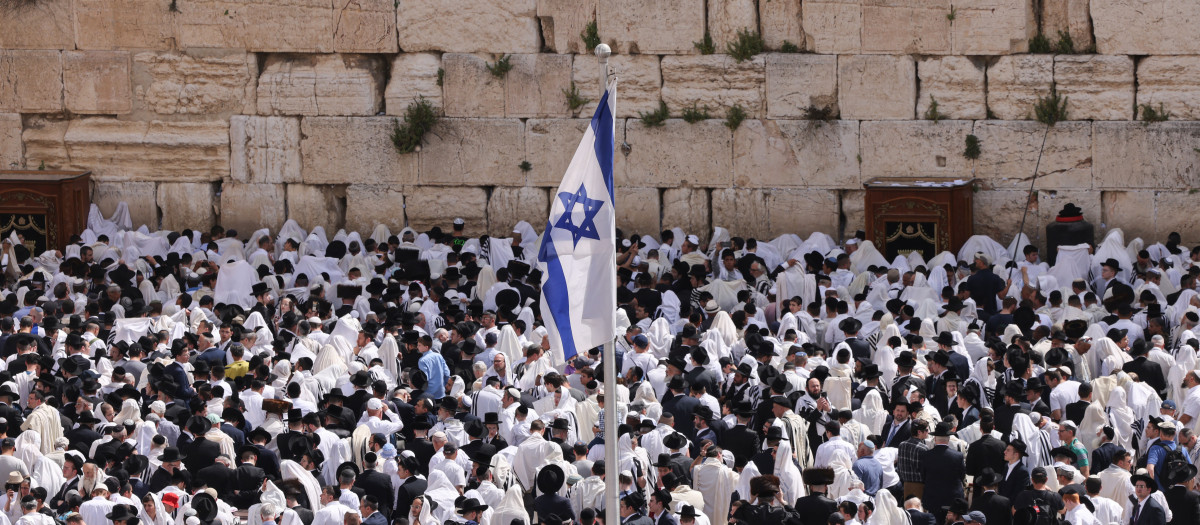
(1158, 452)
(868, 469)
(434, 367)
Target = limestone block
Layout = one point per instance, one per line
(45, 142)
(1145, 27)
(1009, 151)
(727, 17)
(876, 87)
(12, 151)
(1014, 84)
(470, 89)
(797, 82)
(469, 26)
(741, 211)
(997, 213)
(639, 87)
(414, 75)
(549, 146)
(832, 27)
(717, 81)
(248, 207)
(956, 83)
(767, 213)
(563, 21)
(676, 153)
(686, 208)
(652, 27)
(1169, 84)
(904, 27)
(429, 206)
(1097, 87)
(1136, 155)
(914, 149)
(264, 149)
(993, 27)
(313, 205)
(142, 198)
(299, 26)
(781, 21)
(97, 82)
(1131, 211)
(202, 82)
(321, 85)
(474, 151)
(639, 210)
(37, 25)
(1070, 16)
(187, 205)
(156, 151)
(371, 204)
(1170, 216)
(364, 26)
(31, 81)
(124, 24)
(343, 150)
(509, 205)
(796, 153)
(854, 211)
(534, 88)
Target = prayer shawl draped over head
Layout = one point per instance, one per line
(44, 420)
(1038, 445)
(716, 481)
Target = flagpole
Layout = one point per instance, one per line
(611, 408)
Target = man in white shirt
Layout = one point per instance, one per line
(833, 443)
(373, 419)
(332, 511)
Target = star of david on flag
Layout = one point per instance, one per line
(577, 255)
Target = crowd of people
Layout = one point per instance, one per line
(290, 378)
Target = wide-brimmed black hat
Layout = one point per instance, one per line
(675, 441)
(491, 418)
(870, 371)
(688, 511)
(472, 505)
(988, 477)
(122, 513)
(906, 359)
(945, 338)
(1116, 334)
(850, 325)
(743, 408)
(953, 305)
(550, 479)
(776, 433)
(1019, 446)
(171, 454)
(1143, 477)
(1112, 263)
(663, 460)
(1179, 472)
(941, 430)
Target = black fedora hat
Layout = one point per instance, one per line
(850, 325)
(870, 371)
(1143, 477)
(1179, 472)
(171, 454)
(1019, 446)
(473, 505)
(1112, 263)
(776, 432)
(122, 513)
(491, 418)
(663, 460)
(988, 477)
(945, 338)
(550, 479)
(906, 359)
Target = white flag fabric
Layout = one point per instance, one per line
(578, 251)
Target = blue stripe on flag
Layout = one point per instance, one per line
(602, 127)
(556, 297)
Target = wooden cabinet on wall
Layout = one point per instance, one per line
(46, 207)
(915, 214)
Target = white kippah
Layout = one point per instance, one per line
(374, 404)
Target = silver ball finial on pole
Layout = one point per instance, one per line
(602, 53)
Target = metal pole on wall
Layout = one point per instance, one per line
(612, 514)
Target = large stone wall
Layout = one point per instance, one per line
(247, 114)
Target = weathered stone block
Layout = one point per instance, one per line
(767, 213)
(535, 86)
(797, 82)
(657, 27)
(781, 21)
(12, 151)
(97, 82)
(474, 151)
(854, 210)
(727, 17)
(906, 28)
(876, 87)
(317, 205)
(321, 85)
(1136, 155)
(471, 90)
(956, 83)
(38, 25)
(187, 205)
(639, 210)
(1009, 151)
(45, 142)
(1170, 215)
(717, 81)
(686, 208)
(264, 149)
(371, 204)
(1169, 84)
(1097, 87)
(364, 26)
(242, 206)
(123, 24)
(142, 198)
(509, 205)
(150, 151)
(1131, 211)
(469, 26)
(993, 27)
(833, 27)
(562, 23)
(31, 81)
(676, 153)
(639, 87)
(414, 75)
(549, 146)
(796, 153)
(343, 150)
(301, 26)
(429, 206)
(216, 83)
(1070, 16)
(1015, 83)
(997, 214)
(919, 148)
(1146, 27)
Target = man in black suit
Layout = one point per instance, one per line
(912, 506)
(248, 479)
(904, 364)
(1014, 392)
(375, 483)
(816, 506)
(859, 348)
(1102, 457)
(987, 452)
(1037, 499)
(740, 440)
(220, 477)
(1145, 510)
(897, 428)
(1015, 478)
(943, 471)
(1033, 396)
(81, 438)
(200, 452)
(361, 381)
(72, 466)
(1181, 499)
(410, 486)
(681, 405)
(1075, 411)
(1147, 371)
(421, 446)
(996, 507)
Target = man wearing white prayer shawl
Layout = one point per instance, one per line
(715, 481)
(532, 454)
(95, 510)
(1114, 480)
(332, 511)
(32, 517)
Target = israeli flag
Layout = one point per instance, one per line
(578, 252)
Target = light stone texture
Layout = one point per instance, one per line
(717, 81)
(47, 24)
(796, 153)
(998, 213)
(1097, 87)
(142, 198)
(31, 81)
(1146, 27)
(639, 86)
(1009, 151)
(1014, 84)
(264, 149)
(150, 151)
(1050, 202)
(123, 24)
(242, 206)
(509, 205)
(187, 205)
(773, 212)
(1070, 16)
(364, 26)
(676, 153)
(470, 89)
(652, 26)
(316, 205)
(797, 82)
(956, 83)
(781, 21)
(914, 149)
(469, 26)
(563, 21)
(993, 27)
(854, 211)
(535, 88)
(1170, 215)
(321, 85)
(281, 26)
(477, 152)
(727, 17)
(12, 151)
(204, 82)
(1132, 211)
(687, 208)
(1155, 156)
(370, 204)
(344, 150)
(1168, 83)
(45, 142)
(97, 82)
(640, 210)
(429, 206)
(549, 146)
(876, 87)
(414, 75)
(906, 27)
(832, 27)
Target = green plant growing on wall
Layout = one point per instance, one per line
(1149, 114)
(419, 118)
(820, 113)
(1065, 45)
(747, 45)
(574, 99)
(789, 47)
(525, 166)
(932, 112)
(1039, 45)
(654, 119)
(590, 36)
(972, 152)
(441, 77)
(952, 14)
(693, 114)
(1051, 109)
(501, 68)
(706, 45)
(173, 6)
(734, 117)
